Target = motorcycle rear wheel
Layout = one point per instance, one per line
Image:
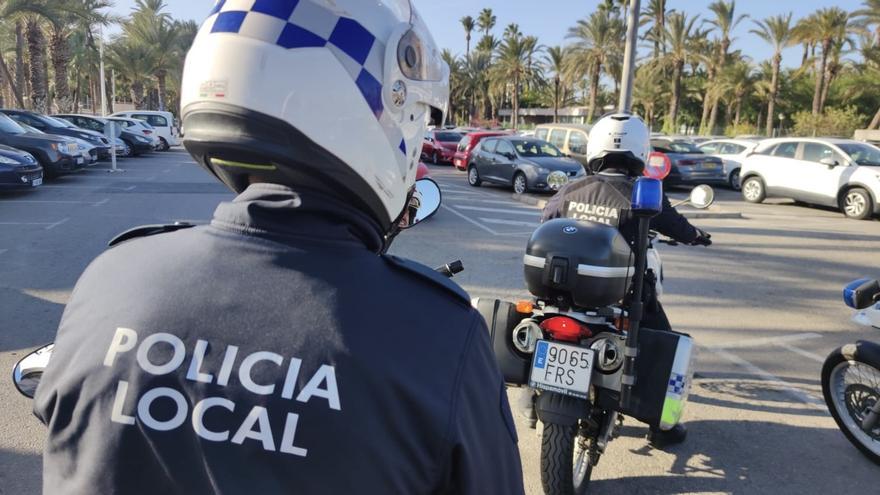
(851, 387)
(567, 460)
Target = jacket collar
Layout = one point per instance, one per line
(282, 214)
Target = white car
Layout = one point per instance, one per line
(165, 125)
(732, 152)
(139, 127)
(841, 173)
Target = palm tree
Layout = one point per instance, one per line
(475, 80)
(725, 21)
(655, 15)
(777, 32)
(133, 63)
(455, 85)
(596, 38)
(513, 67)
(870, 16)
(488, 44)
(467, 22)
(823, 28)
(555, 62)
(486, 21)
(679, 35)
(152, 27)
(28, 16)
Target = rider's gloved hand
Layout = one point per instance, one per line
(703, 239)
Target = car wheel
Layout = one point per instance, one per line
(474, 176)
(733, 180)
(857, 203)
(520, 184)
(163, 145)
(434, 159)
(753, 190)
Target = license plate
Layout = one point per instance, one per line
(72, 148)
(37, 182)
(562, 368)
(79, 161)
(710, 166)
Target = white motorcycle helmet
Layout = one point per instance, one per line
(332, 96)
(620, 141)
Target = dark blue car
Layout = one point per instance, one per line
(19, 169)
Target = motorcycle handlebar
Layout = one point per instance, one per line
(450, 269)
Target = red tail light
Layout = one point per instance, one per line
(565, 328)
(687, 162)
(148, 132)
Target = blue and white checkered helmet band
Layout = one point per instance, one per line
(294, 24)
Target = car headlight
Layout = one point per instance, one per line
(556, 180)
(54, 146)
(542, 170)
(7, 161)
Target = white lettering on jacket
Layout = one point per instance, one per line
(168, 355)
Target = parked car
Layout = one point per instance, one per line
(18, 169)
(138, 143)
(422, 171)
(466, 147)
(689, 164)
(59, 127)
(525, 163)
(439, 146)
(56, 154)
(732, 152)
(164, 124)
(139, 126)
(87, 150)
(841, 173)
(570, 138)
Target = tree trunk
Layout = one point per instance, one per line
(820, 77)
(707, 98)
(60, 61)
(36, 55)
(515, 100)
(774, 89)
(830, 74)
(556, 99)
(672, 118)
(594, 89)
(76, 93)
(875, 122)
(713, 117)
(19, 62)
(738, 111)
(12, 86)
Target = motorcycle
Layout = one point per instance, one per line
(589, 366)
(27, 372)
(851, 374)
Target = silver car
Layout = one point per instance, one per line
(732, 152)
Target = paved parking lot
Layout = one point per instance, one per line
(763, 302)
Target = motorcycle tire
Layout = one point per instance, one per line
(557, 461)
(845, 421)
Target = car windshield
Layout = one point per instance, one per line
(676, 147)
(863, 154)
(536, 149)
(449, 137)
(9, 126)
(31, 129)
(61, 122)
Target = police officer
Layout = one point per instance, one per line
(276, 350)
(617, 151)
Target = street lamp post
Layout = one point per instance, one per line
(111, 134)
(629, 56)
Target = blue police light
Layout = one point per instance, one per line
(849, 292)
(647, 196)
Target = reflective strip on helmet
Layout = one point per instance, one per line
(534, 261)
(605, 271)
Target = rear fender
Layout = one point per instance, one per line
(560, 409)
(864, 351)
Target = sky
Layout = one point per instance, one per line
(549, 20)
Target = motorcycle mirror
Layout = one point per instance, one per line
(430, 197)
(702, 197)
(27, 373)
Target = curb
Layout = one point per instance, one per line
(696, 214)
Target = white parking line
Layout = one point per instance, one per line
(129, 188)
(487, 201)
(513, 223)
(30, 201)
(784, 386)
(52, 226)
(765, 341)
(512, 211)
(469, 220)
(806, 354)
(25, 223)
(456, 191)
(102, 202)
(3, 251)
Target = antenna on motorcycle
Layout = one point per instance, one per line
(647, 202)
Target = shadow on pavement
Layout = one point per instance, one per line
(28, 321)
(12, 467)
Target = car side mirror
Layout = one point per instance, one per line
(27, 373)
(830, 162)
(429, 196)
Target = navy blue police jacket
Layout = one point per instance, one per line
(273, 351)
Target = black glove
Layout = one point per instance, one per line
(703, 239)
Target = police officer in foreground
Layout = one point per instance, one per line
(277, 350)
(617, 151)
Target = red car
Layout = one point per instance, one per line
(467, 145)
(422, 171)
(439, 145)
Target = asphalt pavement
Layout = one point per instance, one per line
(763, 303)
